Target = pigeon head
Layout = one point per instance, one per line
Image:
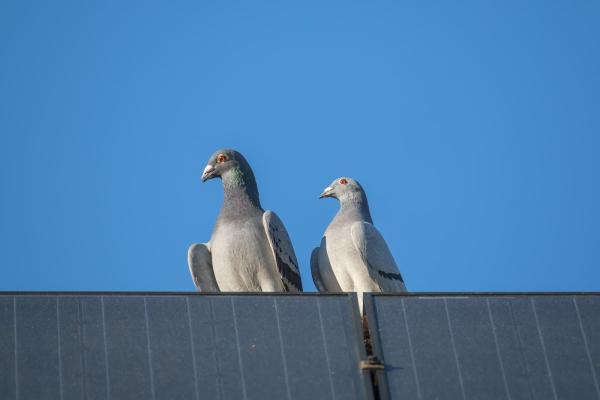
(343, 188)
(352, 197)
(235, 172)
(226, 162)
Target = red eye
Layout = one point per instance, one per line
(343, 181)
(221, 158)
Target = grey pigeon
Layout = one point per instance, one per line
(353, 256)
(249, 250)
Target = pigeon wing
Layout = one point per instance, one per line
(315, 270)
(201, 269)
(377, 256)
(285, 258)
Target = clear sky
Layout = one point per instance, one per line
(474, 127)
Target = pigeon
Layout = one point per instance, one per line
(353, 256)
(249, 250)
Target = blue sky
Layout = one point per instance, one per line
(474, 127)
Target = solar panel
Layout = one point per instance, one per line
(487, 346)
(181, 346)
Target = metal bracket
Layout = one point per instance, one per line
(371, 363)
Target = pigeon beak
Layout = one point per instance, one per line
(208, 173)
(327, 192)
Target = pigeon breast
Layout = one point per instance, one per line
(240, 252)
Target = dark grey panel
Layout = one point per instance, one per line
(70, 347)
(262, 376)
(588, 310)
(399, 351)
(7, 347)
(433, 362)
(127, 347)
(487, 347)
(287, 347)
(171, 348)
(478, 359)
(215, 347)
(131, 346)
(304, 352)
(531, 348)
(515, 367)
(339, 332)
(38, 375)
(565, 347)
(94, 354)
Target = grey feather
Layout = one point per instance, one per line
(377, 257)
(201, 269)
(315, 271)
(283, 251)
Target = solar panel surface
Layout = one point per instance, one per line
(181, 346)
(498, 346)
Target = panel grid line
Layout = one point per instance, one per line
(215, 352)
(523, 361)
(60, 375)
(522, 356)
(150, 369)
(487, 301)
(82, 356)
(460, 379)
(587, 349)
(410, 348)
(239, 350)
(194, 368)
(326, 350)
(105, 348)
(16, 348)
(340, 309)
(539, 330)
(285, 371)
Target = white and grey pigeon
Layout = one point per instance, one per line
(249, 250)
(353, 256)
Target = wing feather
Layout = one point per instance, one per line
(201, 269)
(316, 271)
(283, 251)
(377, 256)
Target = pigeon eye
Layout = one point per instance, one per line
(221, 158)
(343, 181)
